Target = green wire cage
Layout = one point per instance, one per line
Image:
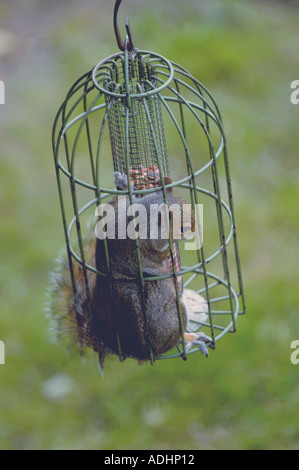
(140, 114)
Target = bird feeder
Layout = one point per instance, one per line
(140, 114)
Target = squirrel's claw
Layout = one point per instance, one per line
(200, 340)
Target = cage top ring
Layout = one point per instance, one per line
(109, 76)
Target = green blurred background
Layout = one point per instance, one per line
(245, 396)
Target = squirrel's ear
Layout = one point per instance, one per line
(168, 180)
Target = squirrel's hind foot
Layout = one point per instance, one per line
(199, 340)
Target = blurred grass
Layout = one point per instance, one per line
(245, 395)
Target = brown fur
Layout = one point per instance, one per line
(121, 322)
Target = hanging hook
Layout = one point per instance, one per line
(120, 42)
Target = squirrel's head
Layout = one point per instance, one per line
(153, 218)
(174, 218)
(180, 214)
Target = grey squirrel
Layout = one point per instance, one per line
(120, 320)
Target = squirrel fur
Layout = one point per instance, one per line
(118, 314)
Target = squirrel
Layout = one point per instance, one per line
(140, 325)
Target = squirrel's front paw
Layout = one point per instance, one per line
(121, 180)
(199, 340)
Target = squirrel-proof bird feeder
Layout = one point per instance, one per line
(155, 119)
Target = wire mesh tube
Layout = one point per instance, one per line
(146, 136)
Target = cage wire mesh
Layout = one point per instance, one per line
(134, 106)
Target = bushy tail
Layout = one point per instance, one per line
(67, 310)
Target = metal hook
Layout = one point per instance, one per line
(120, 42)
